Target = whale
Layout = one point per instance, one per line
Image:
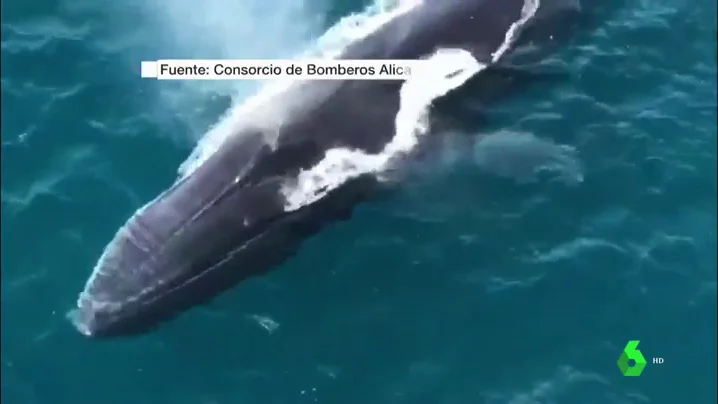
(243, 211)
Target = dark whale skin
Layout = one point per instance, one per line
(226, 221)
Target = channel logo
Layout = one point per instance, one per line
(632, 353)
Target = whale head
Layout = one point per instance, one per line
(194, 240)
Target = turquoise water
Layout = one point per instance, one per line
(461, 288)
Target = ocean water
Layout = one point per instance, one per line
(462, 287)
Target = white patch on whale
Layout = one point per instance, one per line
(446, 70)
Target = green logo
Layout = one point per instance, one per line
(630, 352)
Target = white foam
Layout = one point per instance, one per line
(358, 26)
(214, 29)
(528, 10)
